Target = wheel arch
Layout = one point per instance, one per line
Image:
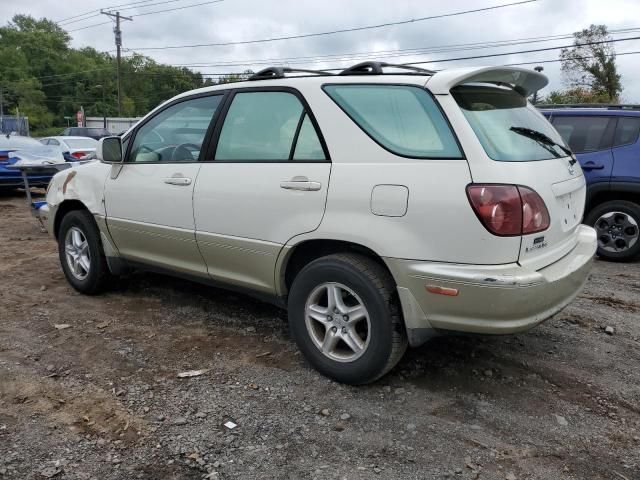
(297, 256)
(65, 207)
(628, 192)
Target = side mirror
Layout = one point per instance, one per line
(109, 150)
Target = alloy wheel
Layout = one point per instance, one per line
(338, 322)
(76, 249)
(617, 231)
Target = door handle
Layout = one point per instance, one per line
(180, 181)
(592, 166)
(301, 183)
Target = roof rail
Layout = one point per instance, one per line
(607, 106)
(376, 68)
(279, 72)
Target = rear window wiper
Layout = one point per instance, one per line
(543, 139)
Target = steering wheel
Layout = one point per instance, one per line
(184, 150)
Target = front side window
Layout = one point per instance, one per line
(403, 119)
(586, 133)
(176, 134)
(627, 131)
(267, 126)
(498, 114)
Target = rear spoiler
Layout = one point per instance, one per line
(522, 80)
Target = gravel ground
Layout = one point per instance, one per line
(89, 387)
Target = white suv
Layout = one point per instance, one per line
(379, 208)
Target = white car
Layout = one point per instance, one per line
(380, 208)
(73, 148)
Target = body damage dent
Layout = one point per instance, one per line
(84, 183)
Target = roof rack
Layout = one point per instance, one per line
(279, 72)
(606, 106)
(376, 68)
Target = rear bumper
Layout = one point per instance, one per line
(496, 299)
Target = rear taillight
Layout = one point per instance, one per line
(535, 216)
(4, 156)
(78, 155)
(508, 210)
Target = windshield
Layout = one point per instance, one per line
(498, 116)
(17, 142)
(81, 142)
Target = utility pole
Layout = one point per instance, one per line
(118, 34)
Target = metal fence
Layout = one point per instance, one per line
(10, 124)
(114, 124)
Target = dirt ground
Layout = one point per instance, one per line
(101, 399)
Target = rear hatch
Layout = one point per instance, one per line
(520, 147)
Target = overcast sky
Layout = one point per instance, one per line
(238, 20)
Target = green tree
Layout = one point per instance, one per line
(575, 95)
(592, 65)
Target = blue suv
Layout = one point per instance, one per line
(606, 142)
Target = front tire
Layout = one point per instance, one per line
(81, 254)
(345, 317)
(617, 225)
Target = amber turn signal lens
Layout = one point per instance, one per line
(450, 292)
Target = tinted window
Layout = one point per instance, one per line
(175, 134)
(493, 111)
(403, 119)
(53, 141)
(260, 126)
(626, 131)
(308, 146)
(584, 134)
(98, 132)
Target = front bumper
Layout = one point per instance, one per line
(491, 299)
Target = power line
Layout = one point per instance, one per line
(103, 8)
(177, 8)
(249, 64)
(389, 53)
(442, 60)
(155, 2)
(343, 30)
(150, 13)
(546, 49)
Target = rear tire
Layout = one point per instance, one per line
(81, 255)
(354, 349)
(617, 224)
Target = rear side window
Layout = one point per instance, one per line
(586, 133)
(403, 119)
(626, 131)
(269, 127)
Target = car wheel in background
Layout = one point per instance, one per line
(345, 317)
(617, 225)
(81, 254)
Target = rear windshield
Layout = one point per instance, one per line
(493, 111)
(98, 131)
(403, 119)
(81, 143)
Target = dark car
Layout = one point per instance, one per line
(606, 142)
(91, 132)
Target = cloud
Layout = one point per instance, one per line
(234, 20)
